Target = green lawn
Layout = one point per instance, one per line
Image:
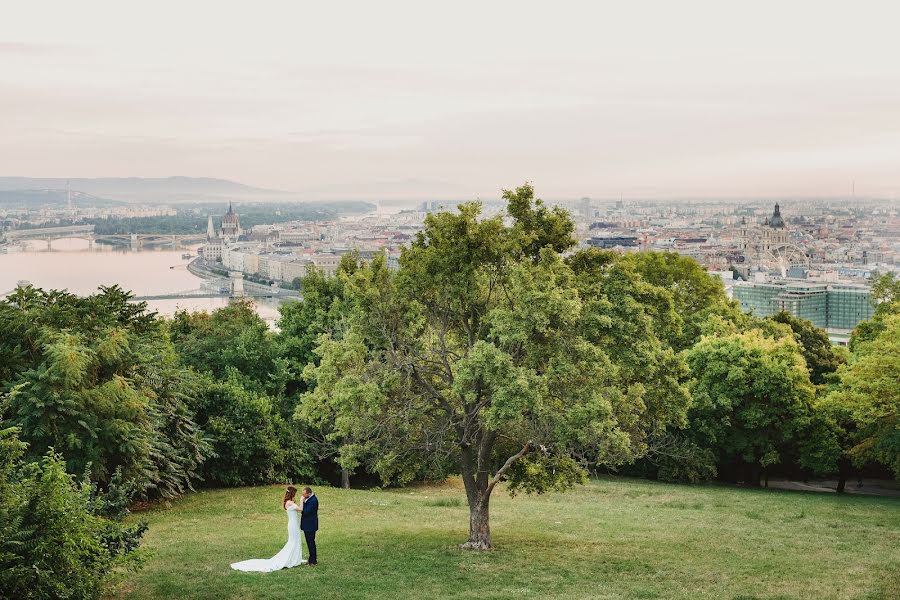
(613, 538)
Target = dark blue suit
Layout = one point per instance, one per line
(309, 524)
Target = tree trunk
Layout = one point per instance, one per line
(479, 526)
(478, 494)
(843, 472)
(345, 479)
(753, 473)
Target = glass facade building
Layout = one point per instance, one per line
(848, 305)
(834, 307)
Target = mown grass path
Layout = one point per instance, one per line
(613, 538)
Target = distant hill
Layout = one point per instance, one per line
(50, 197)
(133, 189)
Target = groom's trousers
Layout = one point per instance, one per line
(311, 545)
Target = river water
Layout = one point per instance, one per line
(70, 264)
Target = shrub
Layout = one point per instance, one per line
(55, 538)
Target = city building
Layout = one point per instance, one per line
(230, 232)
(836, 308)
(231, 226)
(616, 241)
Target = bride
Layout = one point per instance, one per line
(292, 553)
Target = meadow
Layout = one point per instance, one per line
(612, 538)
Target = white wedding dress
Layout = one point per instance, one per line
(290, 556)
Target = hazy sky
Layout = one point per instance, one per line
(387, 99)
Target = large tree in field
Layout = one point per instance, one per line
(489, 349)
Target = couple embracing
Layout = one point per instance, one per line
(292, 553)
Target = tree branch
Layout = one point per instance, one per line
(507, 465)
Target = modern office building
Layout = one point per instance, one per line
(848, 305)
(836, 308)
(619, 241)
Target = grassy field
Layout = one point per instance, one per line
(613, 538)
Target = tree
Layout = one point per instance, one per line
(696, 294)
(320, 311)
(96, 379)
(235, 337)
(869, 393)
(752, 398)
(56, 537)
(481, 349)
(886, 297)
(252, 442)
(822, 359)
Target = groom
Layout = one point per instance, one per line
(309, 522)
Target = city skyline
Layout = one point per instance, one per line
(402, 101)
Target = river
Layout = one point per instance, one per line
(70, 264)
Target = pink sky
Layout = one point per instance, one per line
(417, 99)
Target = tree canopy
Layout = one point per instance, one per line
(490, 350)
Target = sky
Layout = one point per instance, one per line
(459, 99)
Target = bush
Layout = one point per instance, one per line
(56, 541)
(98, 380)
(685, 462)
(253, 444)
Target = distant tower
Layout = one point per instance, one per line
(231, 225)
(210, 230)
(237, 283)
(68, 195)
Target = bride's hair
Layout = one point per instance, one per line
(289, 494)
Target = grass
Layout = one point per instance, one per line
(613, 538)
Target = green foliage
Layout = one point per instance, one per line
(752, 397)
(536, 226)
(233, 337)
(251, 441)
(541, 472)
(96, 379)
(55, 542)
(869, 396)
(886, 296)
(679, 459)
(822, 359)
(488, 349)
(696, 295)
(320, 311)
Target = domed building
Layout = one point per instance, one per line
(771, 235)
(776, 222)
(229, 233)
(768, 246)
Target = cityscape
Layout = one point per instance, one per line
(814, 258)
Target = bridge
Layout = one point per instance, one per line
(51, 233)
(86, 232)
(231, 289)
(211, 294)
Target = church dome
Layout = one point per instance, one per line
(776, 222)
